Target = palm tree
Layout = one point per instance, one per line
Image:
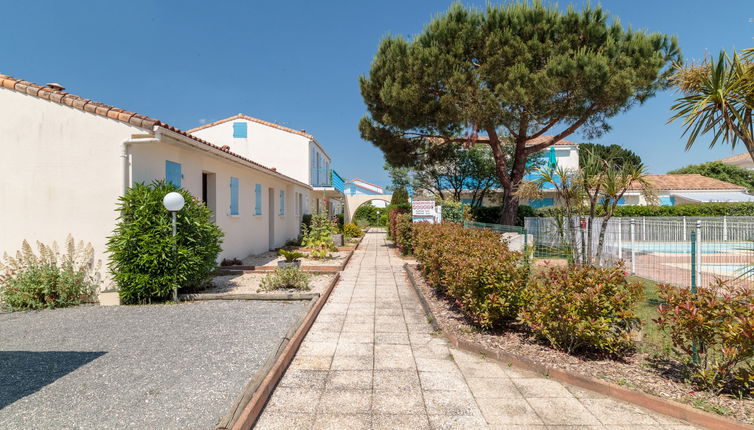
(718, 99)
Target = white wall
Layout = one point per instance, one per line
(289, 153)
(245, 233)
(567, 156)
(60, 172)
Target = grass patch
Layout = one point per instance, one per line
(654, 340)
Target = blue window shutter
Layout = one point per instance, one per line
(173, 173)
(258, 199)
(234, 196)
(239, 129)
(282, 202)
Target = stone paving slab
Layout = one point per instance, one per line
(371, 361)
(135, 367)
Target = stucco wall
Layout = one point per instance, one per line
(289, 153)
(60, 172)
(246, 232)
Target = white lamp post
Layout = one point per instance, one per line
(173, 202)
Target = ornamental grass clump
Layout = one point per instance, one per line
(583, 308)
(51, 279)
(712, 332)
(147, 263)
(474, 268)
(285, 278)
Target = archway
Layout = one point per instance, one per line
(355, 201)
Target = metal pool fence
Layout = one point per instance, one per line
(683, 251)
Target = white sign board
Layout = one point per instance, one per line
(425, 211)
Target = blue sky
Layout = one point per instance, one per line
(297, 62)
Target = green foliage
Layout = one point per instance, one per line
(691, 210)
(618, 155)
(522, 67)
(290, 256)
(306, 220)
(474, 268)
(403, 233)
(393, 221)
(492, 214)
(400, 197)
(721, 171)
(285, 278)
(40, 286)
(454, 211)
(318, 236)
(352, 230)
(583, 308)
(146, 262)
(370, 214)
(713, 333)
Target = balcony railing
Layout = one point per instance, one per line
(327, 178)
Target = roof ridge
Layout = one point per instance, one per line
(250, 118)
(111, 112)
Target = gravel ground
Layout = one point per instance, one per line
(157, 367)
(249, 283)
(271, 258)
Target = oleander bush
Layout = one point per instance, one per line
(404, 233)
(147, 263)
(352, 230)
(474, 268)
(51, 279)
(285, 278)
(583, 308)
(712, 332)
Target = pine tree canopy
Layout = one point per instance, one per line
(510, 74)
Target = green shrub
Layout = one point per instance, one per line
(352, 230)
(583, 308)
(47, 286)
(491, 214)
(146, 262)
(474, 268)
(50, 279)
(403, 233)
(318, 236)
(453, 211)
(399, 198)
(290, 256)
(383, 220)
(285, 278)
(392, 221)
(715, 326)
(691, 210)
(369, 213)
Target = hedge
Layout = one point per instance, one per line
(491, 214)
(691, 210)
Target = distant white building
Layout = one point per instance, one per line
(294, 153)
(65, 160)
(743, 161)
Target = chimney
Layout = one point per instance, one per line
(55, 86)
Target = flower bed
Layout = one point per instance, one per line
(271, 259)
(249, 283)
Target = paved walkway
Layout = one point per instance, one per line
(370, 361)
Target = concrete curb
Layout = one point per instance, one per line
(251, 402)
(647, 401)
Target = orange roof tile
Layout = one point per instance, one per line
(106, 111)
(252, 119)
(738, 158)
(693, 181)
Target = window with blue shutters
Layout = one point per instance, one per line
(258, 199)
(239, 129)
(173, 173)
(234, 196)
(282, 202)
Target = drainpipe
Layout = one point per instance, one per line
(124, 155)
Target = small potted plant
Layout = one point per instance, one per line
(291, 258)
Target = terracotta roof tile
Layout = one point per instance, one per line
(535, 141)
(692, 181)
(736, 158)
(252, 119)
(121, 115)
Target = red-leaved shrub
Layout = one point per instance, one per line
(582, 308)
(473, 267)
(713, 332)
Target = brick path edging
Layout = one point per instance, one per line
(644, 400)
(251, 402)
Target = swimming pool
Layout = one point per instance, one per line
(685, 247)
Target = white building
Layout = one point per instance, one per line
(292, 152)
(65, 161)
(743, 161)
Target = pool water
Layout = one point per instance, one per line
(685, 247)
